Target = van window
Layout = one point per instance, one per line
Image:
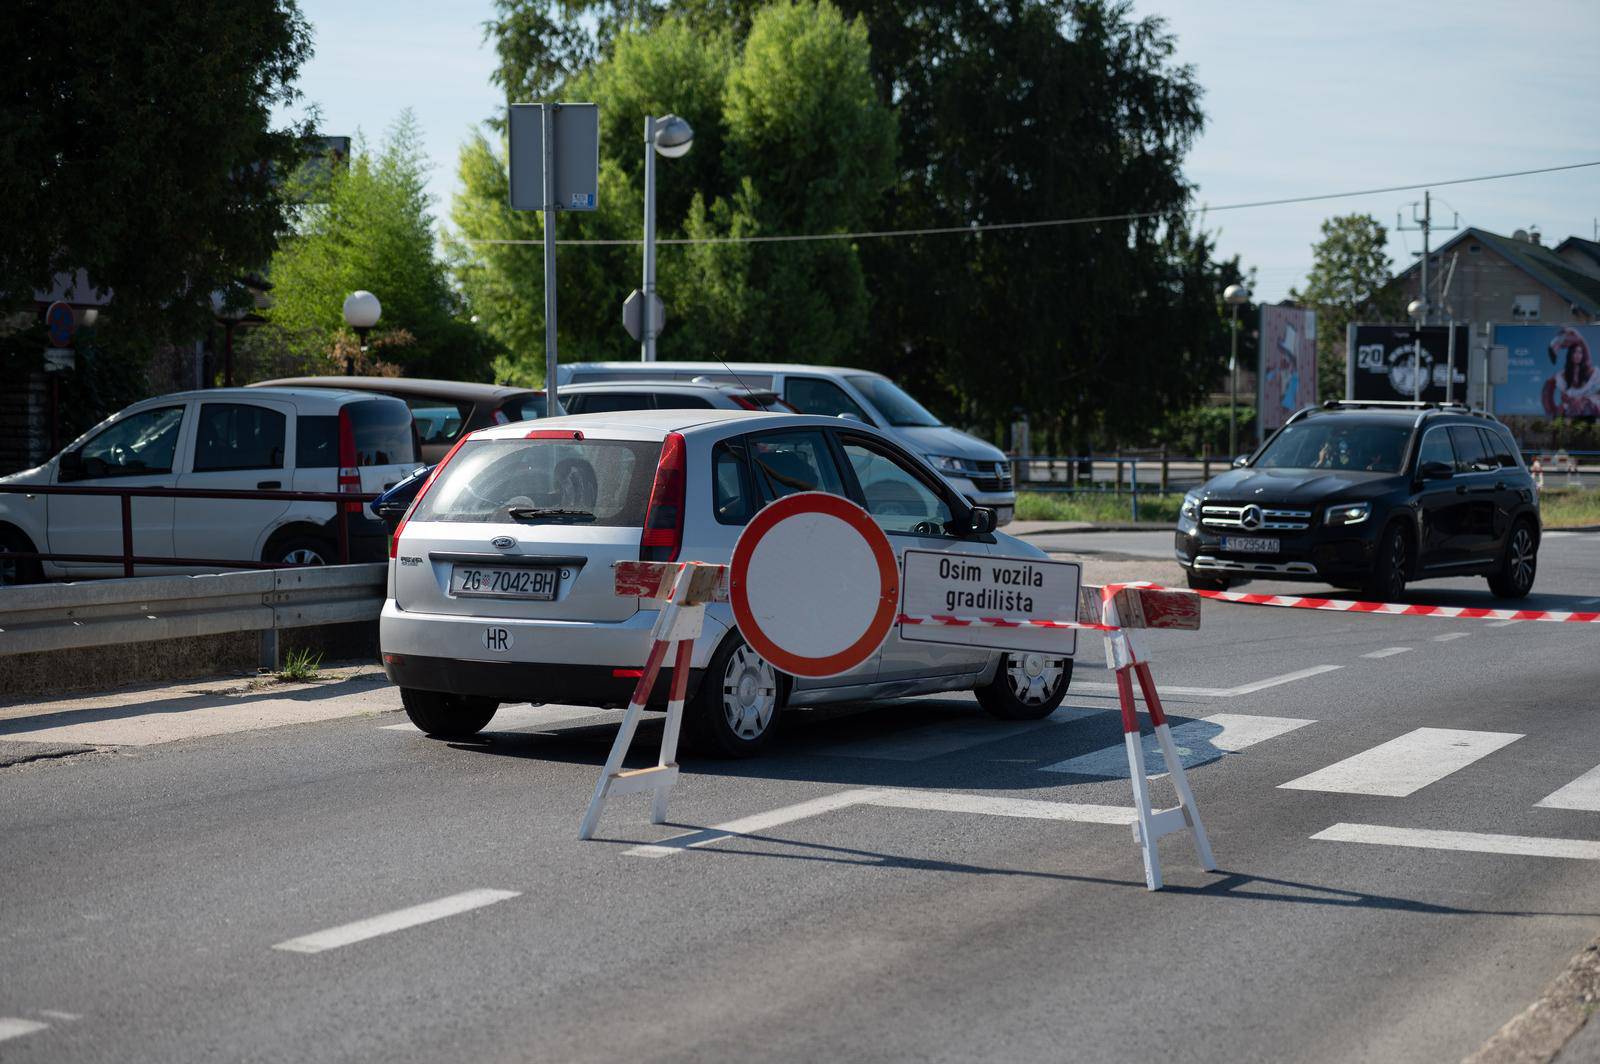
(893, 403)
(813, 395)
(789, 462)
(382, 428)
(504, 481)
(238, 436)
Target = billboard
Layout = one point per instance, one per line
(1550, 370)
(1383, 362)
(1286, 369)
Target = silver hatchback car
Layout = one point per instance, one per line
(500, 578)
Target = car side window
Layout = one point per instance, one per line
(1436, 448)
(813, 395)
(785, 463)
(898, 499)
(1502, 451)
(1471, 455)
(677, 401)
(602, 403)
(732, 498)
(137, 445)
(438, 420)
(238, 436)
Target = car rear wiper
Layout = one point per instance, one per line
(536, 513)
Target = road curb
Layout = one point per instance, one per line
(1141, 526)
(1539, 1032)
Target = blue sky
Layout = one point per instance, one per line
(1301, 97)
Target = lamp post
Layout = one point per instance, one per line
(361, 312)
(230, 317)
(672, 137)
(1419, 312)
(1236, 296)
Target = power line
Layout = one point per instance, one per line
(994, 227)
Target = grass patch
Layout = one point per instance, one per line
(1569, 508)
(1099, 507)
(301, 666)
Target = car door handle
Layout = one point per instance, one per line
(268, 485)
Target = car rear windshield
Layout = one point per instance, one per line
(1338, 444)
(507, 481)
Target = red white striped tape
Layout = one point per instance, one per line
(1392, 609)
(947, 621)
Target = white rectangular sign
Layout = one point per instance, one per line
(936, 584)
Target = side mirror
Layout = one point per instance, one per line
(1240, 460)
(391, 511)
(1437, 471)
(70, 466)
(981, 521)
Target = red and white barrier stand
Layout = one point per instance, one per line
(683, 589)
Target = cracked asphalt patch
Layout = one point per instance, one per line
(12, 753)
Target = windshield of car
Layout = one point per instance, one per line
(893, 403)
(504, 481)
(1363, 446)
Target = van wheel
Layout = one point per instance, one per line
(1387, 581)
(15, 571)
(735, 713)
(301, 550)
(1518, 566)
(441, 716)
(1026, 687)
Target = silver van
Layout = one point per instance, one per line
(977, 469)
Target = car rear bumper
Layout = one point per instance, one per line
(509, 681)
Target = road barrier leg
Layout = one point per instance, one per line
(611, 774)
(669, 737)
(1144, 829)
(1180, 776)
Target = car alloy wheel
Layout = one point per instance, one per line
(1522, 560)
(1034, 677)
(304, 556)
(749, 693)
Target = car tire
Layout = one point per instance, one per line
(444, 716)
(740, 702)
(1205, 583)
(16, 571)
(1024, 688)
(301, 550)
(1390, 568)
(1519, 565)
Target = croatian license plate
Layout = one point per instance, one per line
(520, 582)
(1250, 544)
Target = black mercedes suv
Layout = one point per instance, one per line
(1368, 496)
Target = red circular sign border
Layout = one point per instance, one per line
(816, 502)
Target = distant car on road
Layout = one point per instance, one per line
(516, 535)
(1369, 496)
(700, 394)
(444, 410)
(254, 439)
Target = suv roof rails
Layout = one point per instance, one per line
(1405, 404)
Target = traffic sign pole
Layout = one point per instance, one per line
(552, 407)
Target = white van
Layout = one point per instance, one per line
(255, 439)
(977, 469)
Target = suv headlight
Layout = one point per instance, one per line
(1350, 513)
(1191, 506)
(945, 463)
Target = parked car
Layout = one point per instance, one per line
(1369, 496)
(700, 394)
(977, 469)
(289, 439)
(518, 531)
(444, 410)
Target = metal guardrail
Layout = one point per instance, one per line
(96, 613)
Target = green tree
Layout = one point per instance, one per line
(137, 144)
(367, 225)
(1350, 272)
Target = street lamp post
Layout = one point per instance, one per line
(672, 137)
(1235, 295)
(361, 312)
(230, 317)
(1418, 311)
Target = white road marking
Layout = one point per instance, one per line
(1449, 636)
(11, 1027)
(1387, 652)
(757, 822)
(936, 739)
(1502, 624)
(1469, 841)
(399, 920)
(1405, 764)
(1222, 692)
(1198, 742)
(56, 1015)
(521, 718)
(1581, 793)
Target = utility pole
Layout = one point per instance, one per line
(1424, 223)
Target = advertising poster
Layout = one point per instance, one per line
(1383, 363)
(1550, 370)
(1288, 364)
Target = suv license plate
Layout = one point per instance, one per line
(520, 582)
(1251, 544)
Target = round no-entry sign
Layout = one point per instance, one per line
(814, 585)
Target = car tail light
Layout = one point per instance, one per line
(394, 538)
(663, 521)
(349, 462)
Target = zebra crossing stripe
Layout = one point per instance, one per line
(1199, 742)
(1581, 793)
(1469, 841)
(1406, 764)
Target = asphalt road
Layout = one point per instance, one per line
(168, 902)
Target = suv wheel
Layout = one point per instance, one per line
(442, 716)
(1519, 564)
(1387, 581)
(1205, 583)
(735, 713)
(1026, 686)
(18, 570)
